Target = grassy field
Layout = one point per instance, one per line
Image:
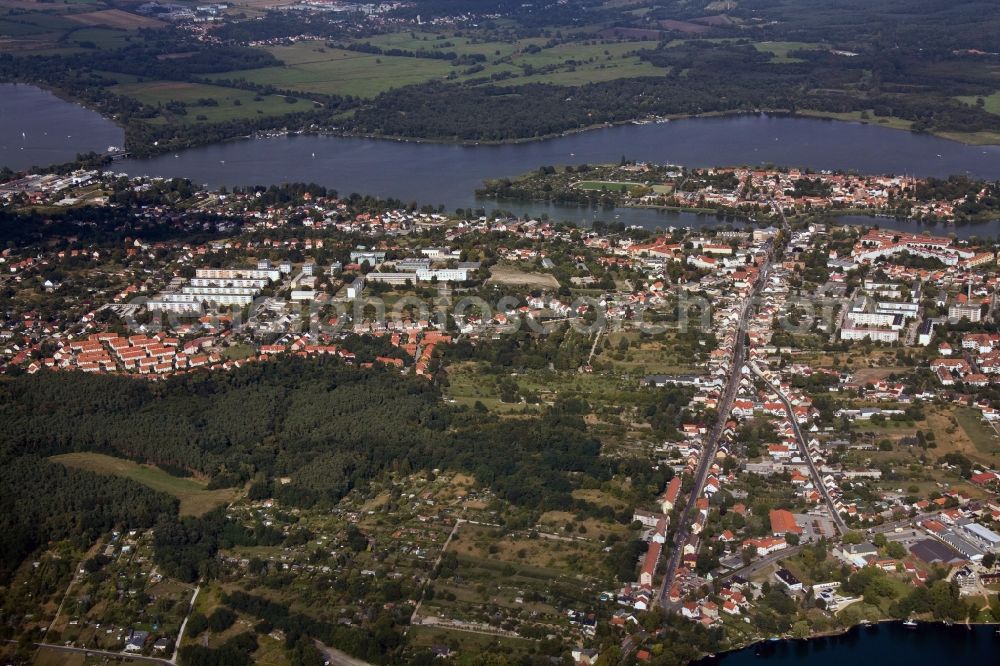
(617, 186)
(311, 67)
(47, 28)
(611, 186)
(428, 41)
(780, 50)
(982, 436)
(116, 18)
(250, 104)
(195, 499)
(992, 103)
(512, 275)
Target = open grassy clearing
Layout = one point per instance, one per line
(250, 104)
(532, 558)
(515, 276)
(48, 29)
(194, 497)
(610, 185)
(313, 67)
(991, 103)
(340, 72)
(116, 18)
(618, 186)
(861, 117)
(466, 642)
(982, 436)
(781, 50)
(102, 38)
(428, 41)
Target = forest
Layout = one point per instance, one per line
(702, 77)
(328, 426)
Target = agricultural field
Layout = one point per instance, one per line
(338, 72)
(42, 28)
(116, 18)
(227, 103)
(195, 498)
(429, 41)
(311, 66)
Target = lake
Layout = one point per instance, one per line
(449, 174)
(55, 130)
(38, 129)
(888, 644)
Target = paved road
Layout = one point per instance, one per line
(804, 450)
(180, 634)
(712, 442)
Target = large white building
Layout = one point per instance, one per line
(421, 275)
(875, 334)
(216, 286)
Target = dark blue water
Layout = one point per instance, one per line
(882, 645)
(440, 173)
(38, 129)
(449, 174)
(55, 130)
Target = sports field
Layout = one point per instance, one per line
(618, 186)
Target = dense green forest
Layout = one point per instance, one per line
(702, 77)
(42, 501)
(328, 426)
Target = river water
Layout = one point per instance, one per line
(889, 644)
(55, 130)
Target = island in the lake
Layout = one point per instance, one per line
(756, 193)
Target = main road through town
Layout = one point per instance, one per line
(683, 530)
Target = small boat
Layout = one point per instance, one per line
(910, 623)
